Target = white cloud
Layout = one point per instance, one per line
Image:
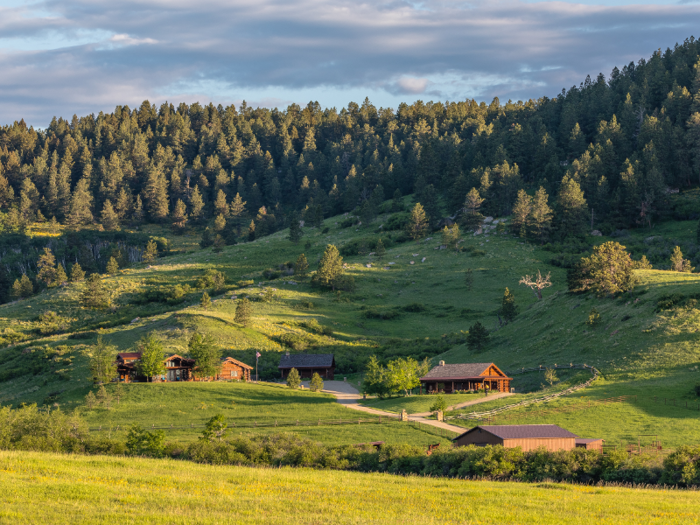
(412, 85)
(126, 40)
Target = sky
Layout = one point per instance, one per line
(59, 58)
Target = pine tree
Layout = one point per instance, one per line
(219, 223)
(472, 205)
(678, 263)
(539, 222)
(179, 216)
(316, 384)
(397, 201)
(156, 193)
(109, 218)
(207, 238)
(76, 273)
(46, 266)
(251, 231)
(205, 301)
(418, 223)
(478, 337)
(244, 312)
(301, 267)
(220, 205)
(196, 204)
(295, 230)
(572, 210)
(330, 269)
(293, 379)
(61, 276)
(150, 254)
(94, 295)
(112, 266)
(380, 250)
(508, 307)
(521, 212)
(237, 212)
(450, 236)
(137, 216)
(81, 204)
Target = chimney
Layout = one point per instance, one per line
(442, 363)
(287, 352)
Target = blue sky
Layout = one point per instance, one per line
(84, 56)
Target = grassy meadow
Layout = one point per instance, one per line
(46, 488)
(413, 301)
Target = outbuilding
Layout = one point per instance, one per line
(308, 364)
(234, 370)
(590, 444)
(527, 437)
(465, 376)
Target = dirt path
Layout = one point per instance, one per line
(490, 397)
(348, 396)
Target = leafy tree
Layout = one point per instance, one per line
(95, 295)
(301, 266)
(316, 384)
(405, 373)
(76, 273)
(215, 429)
(418, 223)
(295, 231)
(112, 266)
(478, 337)
(373, 382)
(102, 358)
(642, 264)
(151, 364)
(330, 269)
(244, 312)
(608, 271)
(47, 268)
(293, 379)
(207, 356)
(61, 276)
(509, 310)
(550, 375)
(205, 301)
(140, 442)
(151, 252)
(472, 204)
(678, 263)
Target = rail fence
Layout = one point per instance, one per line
(544, 399)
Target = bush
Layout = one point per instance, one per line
(383, 314)
(140, 442)
(397, 221)
(249, 282)
(414, 308)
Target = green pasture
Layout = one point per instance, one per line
(45, 488)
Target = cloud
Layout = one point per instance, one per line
(81, 56)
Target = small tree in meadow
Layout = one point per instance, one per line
(61, 276)
(439, 405)
(102, 356)
(215, 429)
(478, 337)
(593, 318)
(103, 397)
(550, 375)
(508, 307)
(301, 267)
(90, 400)
(678, 263)
(205, 301)
(151, 252)
(95, 295)
(112, 266)
(293, 379)
(244, 311)
(418, 223)
(76, 273)
(316, 384)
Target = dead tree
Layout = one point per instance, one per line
(537, 284)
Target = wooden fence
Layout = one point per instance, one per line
(543, 399)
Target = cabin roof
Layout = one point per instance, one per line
(457, 371)
(306, 361)
(237, 362)
(129, 355)
(522, 431)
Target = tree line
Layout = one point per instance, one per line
(599, 155)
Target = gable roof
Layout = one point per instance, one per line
(129, 355)
(236, 362)
(458, 371)
(306, 361)
(522, 431)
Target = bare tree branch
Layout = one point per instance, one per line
(537, 284)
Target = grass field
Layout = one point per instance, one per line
(639, 349)
(43, 488)
(417, 403)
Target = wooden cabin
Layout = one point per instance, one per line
(308, 364)
(234, 370)
(178, 368)
(465, 376)
(527, 437)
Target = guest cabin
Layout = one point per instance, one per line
(465, 376)
(308, 364)
(527, 437)
(178, 368)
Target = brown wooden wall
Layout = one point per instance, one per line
(241, 374)
(595, 445)
(550, 444)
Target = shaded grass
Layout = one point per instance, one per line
(46, 488)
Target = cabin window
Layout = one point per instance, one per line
(234, 373)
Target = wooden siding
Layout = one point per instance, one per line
(551, 444)
(233, 372)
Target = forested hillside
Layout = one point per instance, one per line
(603, 155)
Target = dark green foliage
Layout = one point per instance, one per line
(140, 442)
(293, 379)
(206, 354)
(151, 363)
(95, 295)
(316, 384)
(205, 301)
(215, 429)
(301, 267)
(478, 337)
(244, 312)
(508, 310)
(212, 279)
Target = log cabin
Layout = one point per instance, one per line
(308, 364)
(234, 370)
(465, 376)
(527, 437)
(178, 368)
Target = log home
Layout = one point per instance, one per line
(178, 368)
(234, 370)
(465, 376)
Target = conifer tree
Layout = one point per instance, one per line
(137, 216)
(450, 236)
(539, 222)
(295, 230)
(678, 263)
(220, 205)
(397, 201)
(112, 266)
(109, 218)
(237, 212)
(205, 301)
(81, 204)
(219, 223)
(301, 266)
(179, 216)
(251, 231)
(380, 250)
(151, 252)
(330, 269)
(46, 266)
(207, 238)
(418, 223)
(123, 204)
(61, 276)
(572, 210)
(196, 204)
(508, 307)
(76, 273)
(244, 312)
(293, 379)
(22, 287)
(472, 205)
(468, 278)
(316, 384)
(94, 295)
(521, 213)
(478, 337)
(156, 193)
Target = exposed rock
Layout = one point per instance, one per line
(596, 233)
(487, 220)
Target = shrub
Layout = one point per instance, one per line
(594, 318)
(212, 279)
(414, 308)
(293, 379)
(248, 282)
(140, 442)
(439, 405)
